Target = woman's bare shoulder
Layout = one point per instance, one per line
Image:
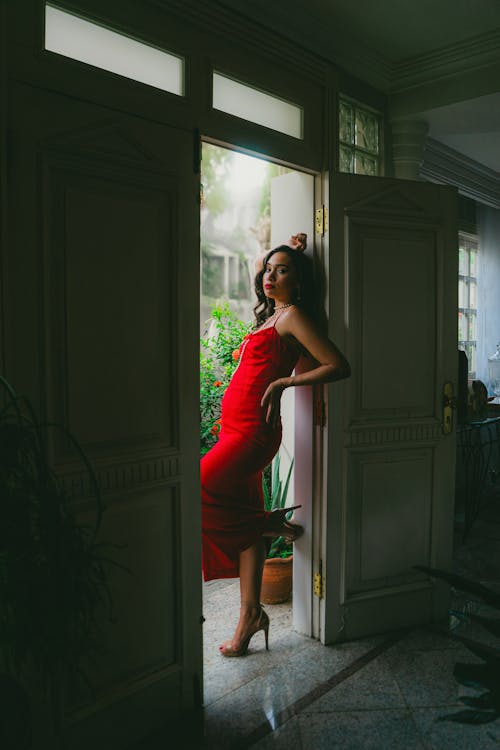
(293, 319)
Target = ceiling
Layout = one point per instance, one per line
(437, 60)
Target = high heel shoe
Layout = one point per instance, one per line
(280, 526)
(262, 624)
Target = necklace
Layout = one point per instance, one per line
(282, 307)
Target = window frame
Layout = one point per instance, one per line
(471, 242)
(379, 156)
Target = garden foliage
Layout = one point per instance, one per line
(219, 356)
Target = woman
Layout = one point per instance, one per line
(234, 522)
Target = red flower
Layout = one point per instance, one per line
(236, 354)
(216, 427)
(218, 383)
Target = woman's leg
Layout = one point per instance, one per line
(251, 564)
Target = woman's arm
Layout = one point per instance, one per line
(332, 364)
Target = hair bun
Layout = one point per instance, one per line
(298, 241)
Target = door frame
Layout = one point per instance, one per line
(313, 482)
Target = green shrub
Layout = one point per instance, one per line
(218, 360)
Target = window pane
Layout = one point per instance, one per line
(462, 326)
(462, 294)
(346, 123)
(87, 42)
(346, 159)
(473, 295)
(473, 258)
(250, 104)
(366, 131)
(470, 350)
(472, 327)
(365, 164)
(463, 262)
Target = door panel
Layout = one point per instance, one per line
(381, 263)
(97, 202)
(393, 272)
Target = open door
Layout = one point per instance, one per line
(102, 333)
(390, 465)
(292, 211)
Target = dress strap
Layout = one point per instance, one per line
(276, 319)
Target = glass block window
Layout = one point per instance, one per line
(467, 297)
(359, 139)
(78, 39)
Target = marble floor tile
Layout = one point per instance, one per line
(449, 735)
(426, 639)
(372, 687)
(425, 677)
(270, 697)
(287, 737)
(360, 730)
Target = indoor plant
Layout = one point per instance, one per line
(278, 566)
(53, 572)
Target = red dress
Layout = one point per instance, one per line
(233, 516)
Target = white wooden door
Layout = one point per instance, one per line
(390, 468)
(102, 332)
(292, 211)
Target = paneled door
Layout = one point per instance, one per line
(390, 465)
(102, 332)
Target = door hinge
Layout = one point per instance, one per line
(319, 585)
(319, 414)
(321, 220)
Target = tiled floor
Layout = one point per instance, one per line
(390, 691)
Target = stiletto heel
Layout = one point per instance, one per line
(262, 624)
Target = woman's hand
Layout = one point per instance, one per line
(271, 401)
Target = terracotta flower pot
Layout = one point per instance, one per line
(277, 580)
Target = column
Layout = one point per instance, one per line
(408, 143)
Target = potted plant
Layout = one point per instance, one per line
(278, 566)
(53, 572)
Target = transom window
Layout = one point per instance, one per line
(71, 36)
(359, 138)
(241, 100)
(467, 297)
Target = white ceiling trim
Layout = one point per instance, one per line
(466, 56)
(445, 165)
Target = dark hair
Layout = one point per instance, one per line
(307, 298)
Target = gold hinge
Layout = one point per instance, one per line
(321, 222)
(319, 585)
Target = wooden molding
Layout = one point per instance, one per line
(445, 165)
